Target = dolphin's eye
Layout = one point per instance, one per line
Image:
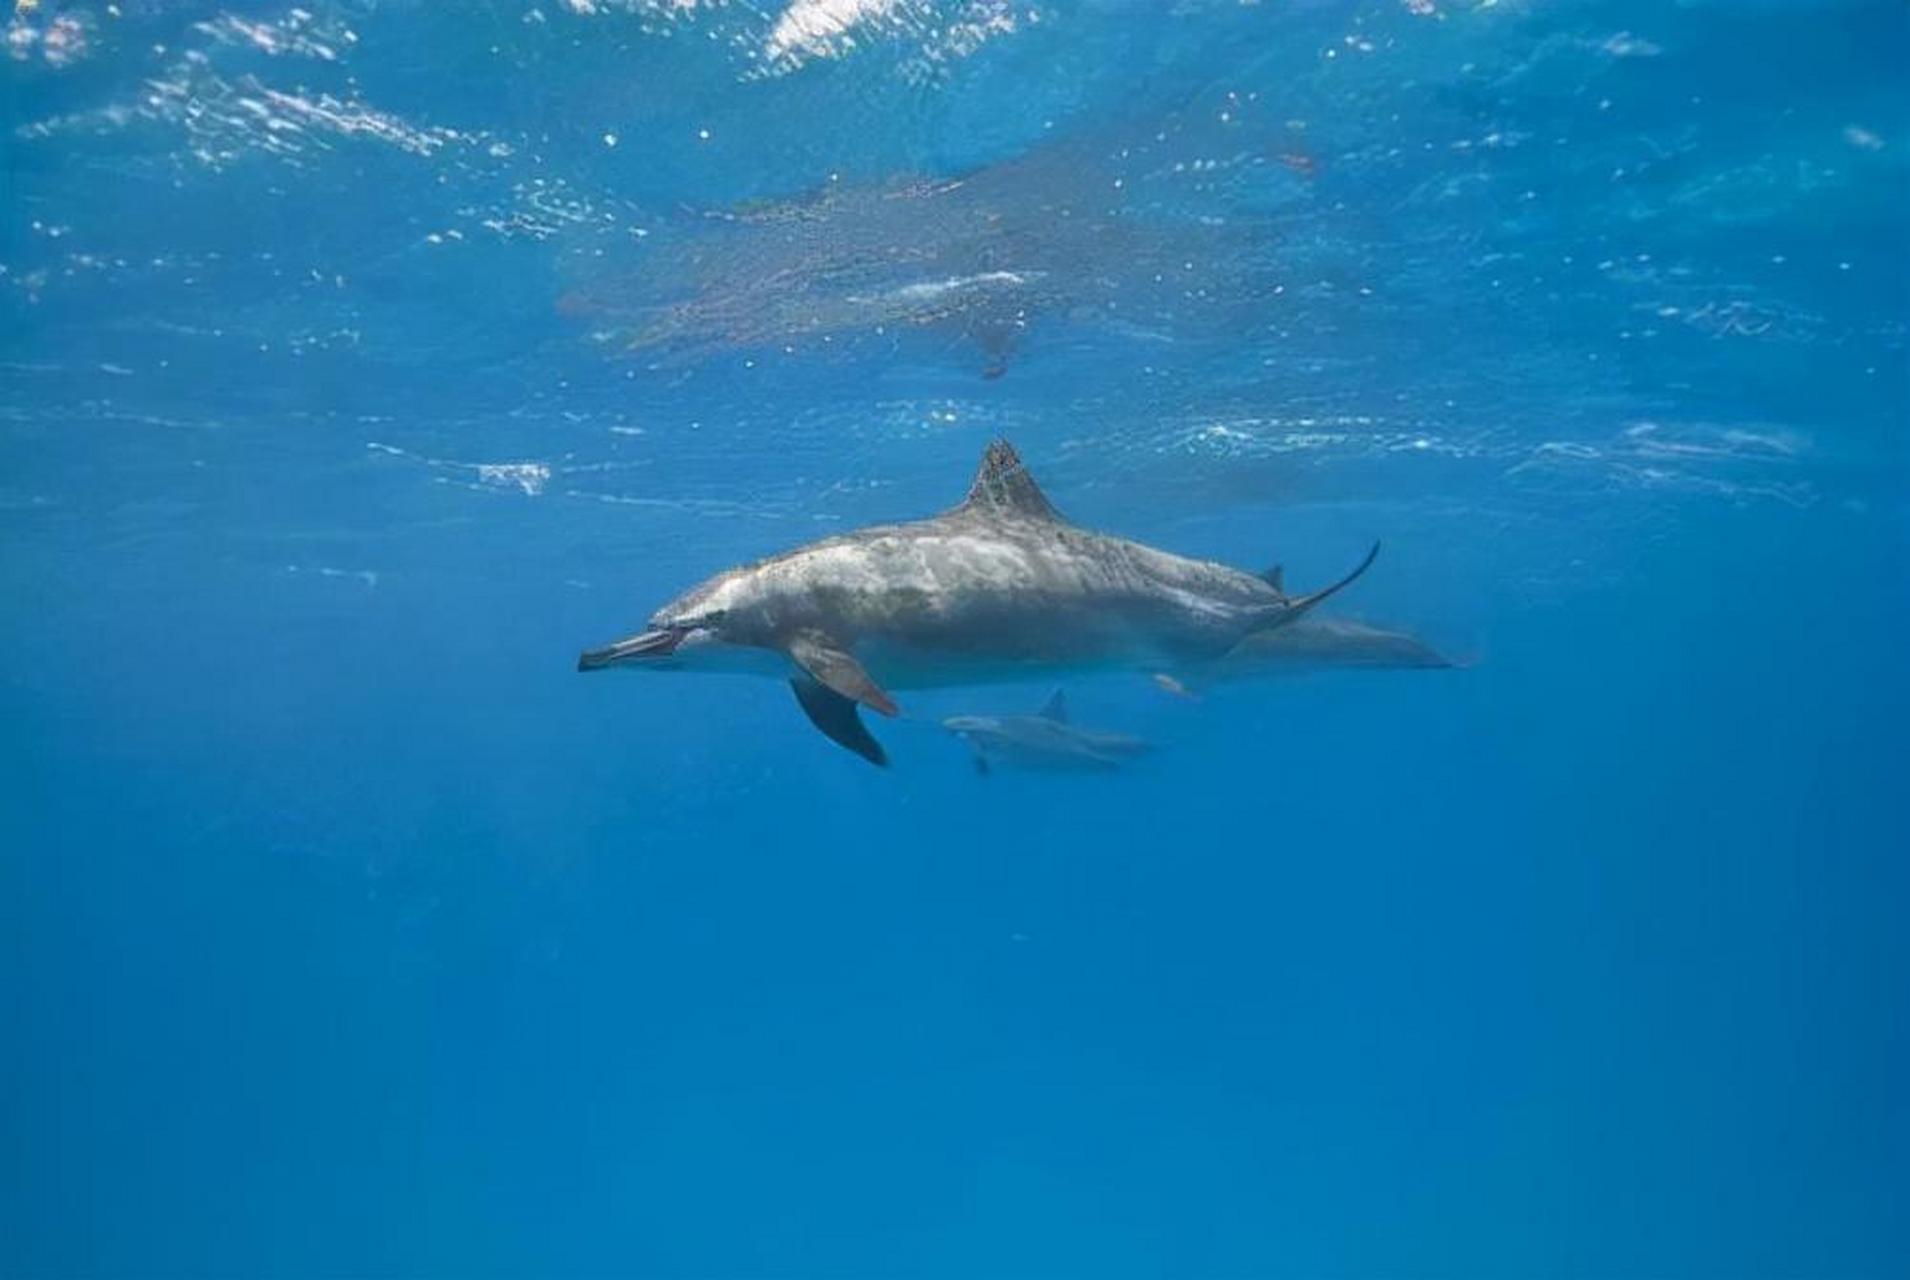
(713, 618)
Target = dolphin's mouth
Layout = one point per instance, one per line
(660, 642)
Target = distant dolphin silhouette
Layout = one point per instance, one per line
(1046, 740)
(998, 587)
(1069, 232)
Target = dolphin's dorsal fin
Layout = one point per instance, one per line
(1056, 708)
(1004, 487)
(1276, 578)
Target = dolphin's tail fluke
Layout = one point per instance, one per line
(1298, 607)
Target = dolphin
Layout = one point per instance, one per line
(1326, 642)
(1074, 231)
(1046, 740)
(998, 587)
(1309, 644)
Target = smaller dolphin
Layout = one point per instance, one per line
(1043, 741)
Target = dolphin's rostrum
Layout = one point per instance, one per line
(996, 588)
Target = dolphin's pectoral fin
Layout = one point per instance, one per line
(981, 764)
(834, 666)
(836, 716)
(1298, 606)
(997, 338)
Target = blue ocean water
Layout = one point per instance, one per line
(363, 362)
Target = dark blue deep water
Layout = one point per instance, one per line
(362, 362)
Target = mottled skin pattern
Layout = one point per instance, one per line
(975, 595)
